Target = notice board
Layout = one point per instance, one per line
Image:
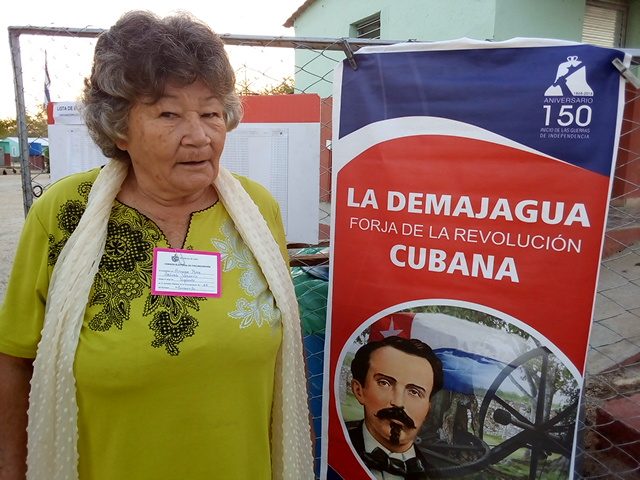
(277, 144)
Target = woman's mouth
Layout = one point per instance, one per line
(194, 162)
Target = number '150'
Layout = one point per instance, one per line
(567, 115)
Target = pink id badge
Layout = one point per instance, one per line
(189, 273)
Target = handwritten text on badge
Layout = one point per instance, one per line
(186, 273)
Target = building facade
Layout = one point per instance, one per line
(614, 23)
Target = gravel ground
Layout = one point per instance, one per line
(11, 221)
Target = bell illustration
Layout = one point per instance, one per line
(571, 80)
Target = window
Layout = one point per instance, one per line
(605, 22)
(367, 28)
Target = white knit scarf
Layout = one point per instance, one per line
(53, 411)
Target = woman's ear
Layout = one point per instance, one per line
(122, 144)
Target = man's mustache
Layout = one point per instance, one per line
(396, 413)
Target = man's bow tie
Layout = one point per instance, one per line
(379, 460)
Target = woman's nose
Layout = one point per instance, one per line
(194, 133)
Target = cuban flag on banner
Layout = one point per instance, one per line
(472, 355)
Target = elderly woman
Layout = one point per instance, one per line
(199, 380)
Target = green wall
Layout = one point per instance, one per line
(633, 25)
(401, 19)
(561, 19)
(432, 20)
(428, 20)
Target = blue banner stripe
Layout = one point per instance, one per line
(503, 90)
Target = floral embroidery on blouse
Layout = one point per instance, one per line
(259, 306)
(125, 273)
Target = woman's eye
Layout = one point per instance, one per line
(168, 115)
(210, 115)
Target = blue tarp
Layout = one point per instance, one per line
(35, 149)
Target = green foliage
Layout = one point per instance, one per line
(36, 125)
(8, 127)
(285, 87)
(351, 410)
(472, 316)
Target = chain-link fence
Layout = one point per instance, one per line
(611, 426)
(609, 443)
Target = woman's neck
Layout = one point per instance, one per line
(171, 213)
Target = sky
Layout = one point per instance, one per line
(69, 61)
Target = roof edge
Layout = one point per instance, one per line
(294, 16)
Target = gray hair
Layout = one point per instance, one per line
(137, 57)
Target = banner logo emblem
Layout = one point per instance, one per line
(571, 80)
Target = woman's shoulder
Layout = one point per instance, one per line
(265, 201)
(71, 182)
(256, 190)
(74, 187)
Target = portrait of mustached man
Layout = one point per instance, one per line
(394, 380)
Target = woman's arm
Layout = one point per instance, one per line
(15, 374)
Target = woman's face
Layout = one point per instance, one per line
(175, 143)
